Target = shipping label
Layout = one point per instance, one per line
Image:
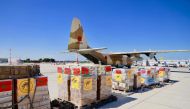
(87, 84)
(59, 78)
(161, 73)
(108, 80)
(75, 82)
(118, 77)
(142, 80)
(23, 86)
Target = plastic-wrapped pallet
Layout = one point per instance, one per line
(146, 77)
(64, 92)
(151, 71)
(60, 82)
(119, 75)
(130, 75)
(33, 92)
(163, 74)
(83, 86)
(157, 76)
(137, 79)
(118, 79)
(6, 94)
(124, 77)
(115, 85)
(104, 69)
(153, 74)
(41, 98)
(93, 69)
(167, 75)
(25, 92)
(105, 80)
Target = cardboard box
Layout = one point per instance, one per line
(123, 78)
(19, 71)
(64, 84)
(39, 94)
(105, 86)
(83, 90)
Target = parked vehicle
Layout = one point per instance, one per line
(173, 65)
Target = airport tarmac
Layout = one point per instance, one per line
(172, 96)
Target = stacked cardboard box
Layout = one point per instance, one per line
(41, 99)
(137, 80)
(64, 73)
(167, 76)
(104, 82)
(116, 78)
(130, 78)
(33, 93)
(147, 77)
(6, 94)
(5, 72)
(25, 92)
(19, 71)
(153, 73)
(29, 87)
(163, 74)
(123, 79)
(83, 85)
(60, 82)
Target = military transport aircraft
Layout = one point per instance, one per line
(78, 44)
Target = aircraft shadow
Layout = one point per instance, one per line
(146, 89)
(122, 99)
(181, 71)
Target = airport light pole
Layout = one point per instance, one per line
(10, 57)
(77, 58)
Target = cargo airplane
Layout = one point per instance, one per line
(78, 44)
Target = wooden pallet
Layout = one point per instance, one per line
(123, 90)
(69, 105)
(98, 104)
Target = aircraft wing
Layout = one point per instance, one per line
(148, 52)
(88, 50)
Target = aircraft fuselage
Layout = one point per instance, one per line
(109, 59)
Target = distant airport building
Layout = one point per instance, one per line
(14, 61)
(3, 60)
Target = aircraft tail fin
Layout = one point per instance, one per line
(77, 37)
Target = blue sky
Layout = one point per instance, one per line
(40, 28)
